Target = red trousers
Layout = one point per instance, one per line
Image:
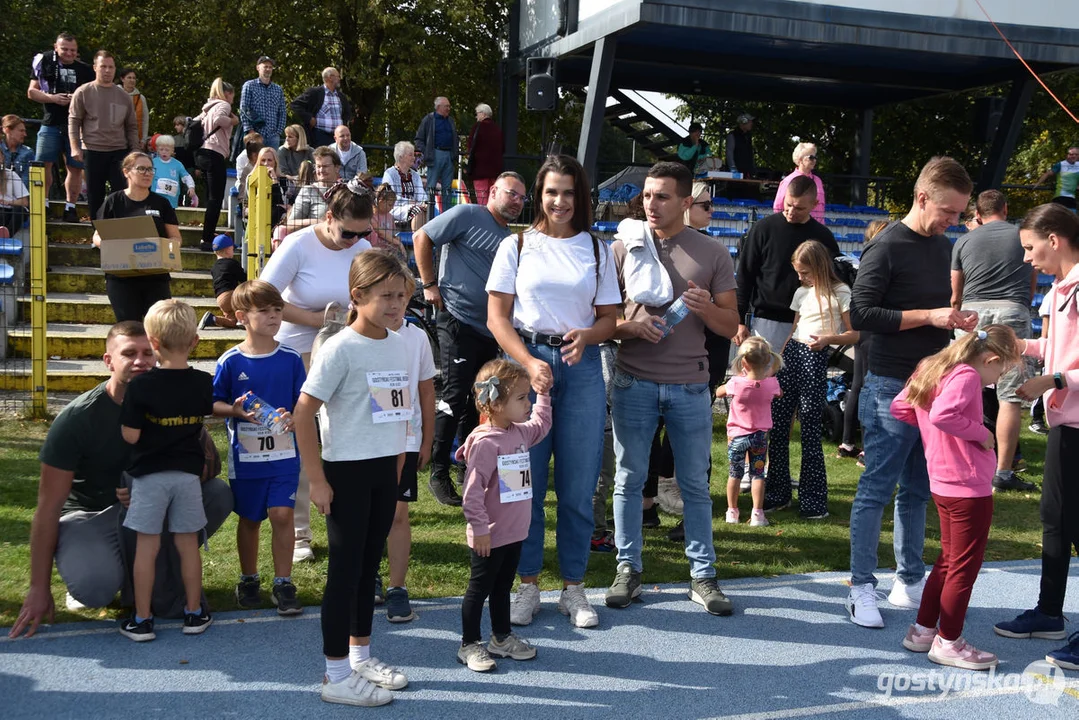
(964, 531)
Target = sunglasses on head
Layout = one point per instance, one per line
(352, 234)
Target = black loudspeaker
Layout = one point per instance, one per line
(987, 114)
(541, 89)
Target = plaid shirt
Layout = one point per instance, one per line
(329, 115)
(262, 108)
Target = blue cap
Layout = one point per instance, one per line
(223, 241)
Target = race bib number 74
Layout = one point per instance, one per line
(514, 477)
(390, 398)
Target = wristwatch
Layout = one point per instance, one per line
(430, 284)
(1058, 381)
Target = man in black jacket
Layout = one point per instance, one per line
(740, 147)
(322, 108)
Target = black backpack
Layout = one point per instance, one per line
(194, 135)
(846, 268)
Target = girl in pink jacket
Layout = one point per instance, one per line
(944, 400)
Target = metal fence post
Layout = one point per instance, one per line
(38, 261)
(257, 236)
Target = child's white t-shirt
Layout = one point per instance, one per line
(554, 281)
(421, 366)
(309, 275)
(812, 320)
(354, 376)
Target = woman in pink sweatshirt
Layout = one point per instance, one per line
(497, 503)
(1050, 237)
(944, 400)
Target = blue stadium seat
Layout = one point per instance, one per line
(11, 246)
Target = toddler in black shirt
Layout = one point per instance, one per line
(227, 275)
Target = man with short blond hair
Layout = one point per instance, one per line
(902, 296)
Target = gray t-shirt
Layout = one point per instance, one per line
(468, 237)
(991, 260)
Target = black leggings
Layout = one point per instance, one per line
(361, 513)
(850, 407)
(1060, 516)
(212, 165)
(131, 296)
(492, 577)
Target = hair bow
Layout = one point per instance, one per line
(982, 335)
(487, 390)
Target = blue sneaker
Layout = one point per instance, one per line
(1032, 624)
(398, 608)
(1066, 657)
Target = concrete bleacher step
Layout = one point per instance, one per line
(72, 341)
(190, 235)
(95, 308)
(72, 376)
(186, 215)
(86, 255)
(92, 280)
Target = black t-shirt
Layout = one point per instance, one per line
(119, 205)
(56, 78)
(227, 274)
(168, 407)
(766, 278)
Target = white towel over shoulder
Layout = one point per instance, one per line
(645, 278)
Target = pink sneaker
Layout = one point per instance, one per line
(961, 655)
(919, 641)
(732, 516)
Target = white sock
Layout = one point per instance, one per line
(923, 628)
(358, 654)
(69, 206)
(338, 670)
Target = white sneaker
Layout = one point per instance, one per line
(757, 519)
(525, 605)
(572, 602)
(302, 553)
(747, 482)
(381, 674)
(732, 516)
(669, 496)
(862, 606)
(906, 596)
(355, 690)
(72, 604)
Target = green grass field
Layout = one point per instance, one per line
(440, 556)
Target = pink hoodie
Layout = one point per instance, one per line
(952, 433)
(216, 126)
(484, 510)
(1060, 352)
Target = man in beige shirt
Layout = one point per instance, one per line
(103, 129)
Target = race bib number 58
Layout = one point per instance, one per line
(390, 399)
(514, 478)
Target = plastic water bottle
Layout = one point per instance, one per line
(265, 414)
(233, 204)
(674, 315)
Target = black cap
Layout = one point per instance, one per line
(266, 58)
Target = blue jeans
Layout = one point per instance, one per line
(636, 407)
(579, 405)
(893, 456)
(441, 171)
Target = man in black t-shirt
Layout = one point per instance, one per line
(56, 74)
(902, 295)
(82, 500)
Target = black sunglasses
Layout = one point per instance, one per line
(811, 157)
(352, 234)
(706, 204)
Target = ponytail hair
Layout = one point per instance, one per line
(999, 340)
(758, 354)
(368, 269)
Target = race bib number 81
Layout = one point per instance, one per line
(514, 478)
(390, 399)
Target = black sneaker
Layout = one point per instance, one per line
(706, 592)
(197, 624)
(442, 488)
(650, 517)
(625, 588)
(248, 594)
(208, 321)
(398, 608)
(139, 632)
(206, 246)
(71, 215)
(1012, 481)
(677, 533)
(776, 506)
(380, 596)
(284, 597)
(1039, 426)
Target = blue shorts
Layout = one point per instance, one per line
(51, 140)
(253, 496)
(756, 444)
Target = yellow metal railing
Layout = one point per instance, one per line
(38, 262)
(257, 235)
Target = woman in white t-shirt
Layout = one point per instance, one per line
(310, 271)
(553, 298)
(14, 200)
(821, 319)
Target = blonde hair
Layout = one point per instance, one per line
(818, 261)
(758, 354)
(999, 340)
(301, 137)
(172, 323)
(165, 141)
(508, 374)
(941, 174)
(872, 230)
(698, 189)
(368, 269)
(801, 150)
(219, 88)
(269, 151)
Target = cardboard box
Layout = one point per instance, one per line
(130, 246)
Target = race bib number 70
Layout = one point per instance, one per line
(390, 398)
